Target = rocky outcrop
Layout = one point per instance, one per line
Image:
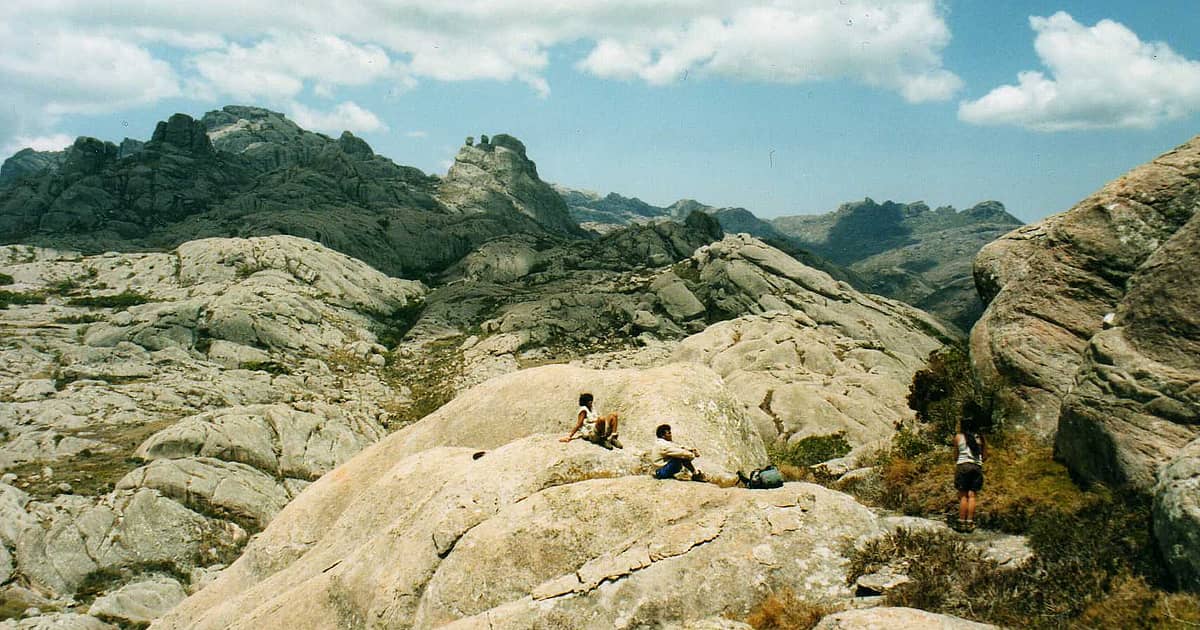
(28, 162)
(479, 514)
(907, 252)
(158, 408)
(817, 357)
(1092, 335)
(1050, 285)
(496, 177)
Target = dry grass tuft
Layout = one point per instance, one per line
(784, 610)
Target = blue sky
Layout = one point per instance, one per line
(781, 106)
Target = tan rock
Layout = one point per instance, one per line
(896, 619)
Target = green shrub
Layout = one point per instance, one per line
(8, 298)
(5, 279)
(939, 391)
(123, 299)
(813, 449)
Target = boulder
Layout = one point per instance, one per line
(138, 603)
(1136, 398)
(57, 621)
(1177, 515)
(532, 532)
(896, 619)
(1049, 285)
(213, 486)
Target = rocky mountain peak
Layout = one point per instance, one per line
(494, 176)
(181, 133)
(353, 145)
(89, 155)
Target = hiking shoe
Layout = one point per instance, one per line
(743, 479)
(970, 526)
(699, 476)
(612, 439)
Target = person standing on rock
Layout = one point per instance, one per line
(670, 458)
(968, 471)
(592, 427)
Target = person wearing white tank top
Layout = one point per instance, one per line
(970, 449)
(597, 429)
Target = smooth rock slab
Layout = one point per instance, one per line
(210, 485)
(896, 619)
(57, 621)
(139, 602)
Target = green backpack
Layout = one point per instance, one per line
(765, 478)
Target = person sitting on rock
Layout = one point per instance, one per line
(592, 427)
(670, 458)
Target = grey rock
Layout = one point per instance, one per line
(896, 619)
(1177, 515)
(139, 602)
(35, 390)
(212, 486)
(57, 621)
(30, 162)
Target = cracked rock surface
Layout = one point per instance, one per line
(157, 408)
(479, 513)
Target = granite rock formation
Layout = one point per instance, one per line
(908, 252)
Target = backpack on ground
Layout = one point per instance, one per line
(763, 478)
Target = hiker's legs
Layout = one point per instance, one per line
(962, 505)
(610, 421)
(671, 468)
(687, 463)
(602, 430)
(970, 505)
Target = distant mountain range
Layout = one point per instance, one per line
(248, 171)
(904, 251)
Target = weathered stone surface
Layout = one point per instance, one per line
(1136, 399)
(59, 544)
(1177, 515)
(1050, 284)
(212, 486)
(57, 621)
(497, 177)
(139, 602)
(258, 421)
(550, 512)
(896, 619)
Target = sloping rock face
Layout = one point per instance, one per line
(505, 525)
(158, 408)
(817, 357)
(28, 162)
(1049, 286)
(908, 252)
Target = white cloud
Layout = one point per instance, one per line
(69, 72)
(1101, 76)
(892, 45)
(416, 133)
(54, 142)
(277, 67)
(79, 56)
(347, 116)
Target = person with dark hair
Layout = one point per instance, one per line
(671, 458)
(597, 429)
(970, 450)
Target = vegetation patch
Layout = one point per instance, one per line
(784, 610)
(5, 279)
(428, 377)
(91, 471)
(124, 299)
(11, 298)
(811, 450)
(1094, 562)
